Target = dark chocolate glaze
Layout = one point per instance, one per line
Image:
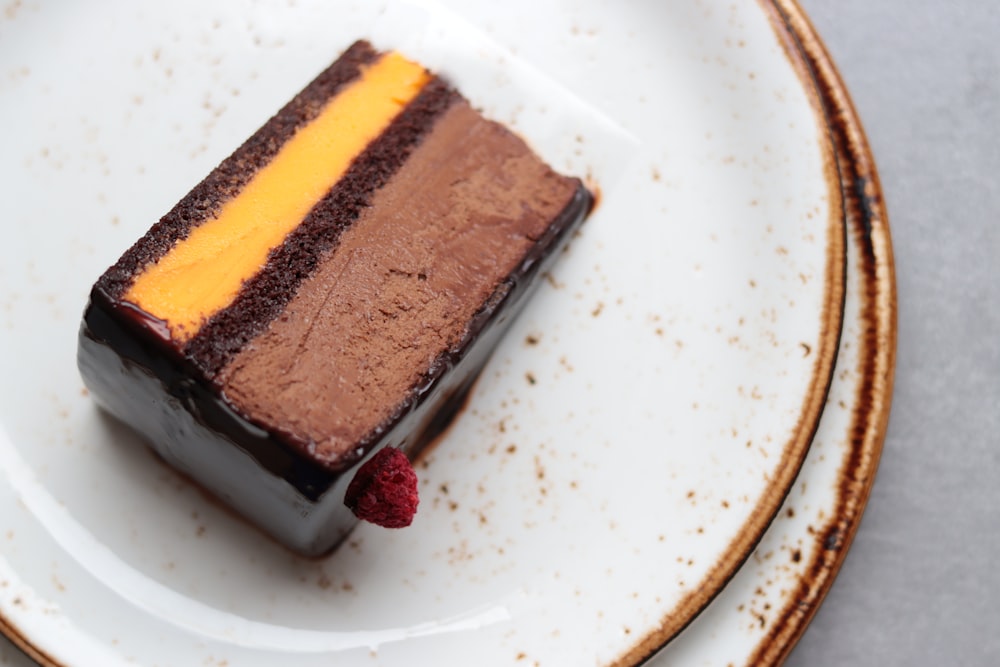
(264, 296)
(232, 174)
(262, 475)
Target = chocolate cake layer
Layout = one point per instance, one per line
(365, 326)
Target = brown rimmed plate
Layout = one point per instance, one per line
(763, 612)
(701, 529)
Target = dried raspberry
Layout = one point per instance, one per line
(384, 490)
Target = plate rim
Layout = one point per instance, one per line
(867, 220)
(17, 638)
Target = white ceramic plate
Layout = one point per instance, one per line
(621, 455)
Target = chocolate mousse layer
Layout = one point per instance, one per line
(400, 289)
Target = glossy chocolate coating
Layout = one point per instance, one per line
(257, 471)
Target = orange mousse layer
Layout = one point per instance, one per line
(203, 273)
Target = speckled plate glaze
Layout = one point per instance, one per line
(760, 615)
(619, 459)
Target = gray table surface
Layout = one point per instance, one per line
(920, 586)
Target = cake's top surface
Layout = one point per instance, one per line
(335, 261)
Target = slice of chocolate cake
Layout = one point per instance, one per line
(331, 289)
